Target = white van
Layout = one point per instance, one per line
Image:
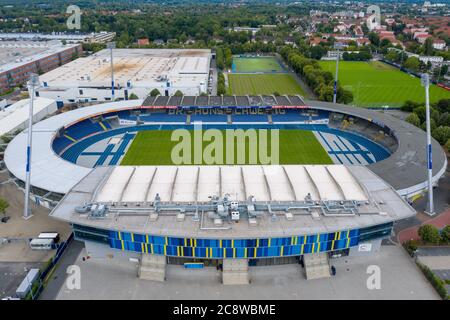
(41, 244)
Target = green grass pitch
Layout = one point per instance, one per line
(378, 84)
(260, 64)
(255, 84)
(295, 147)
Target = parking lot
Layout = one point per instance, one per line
(12, 274)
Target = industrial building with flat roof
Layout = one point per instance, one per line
(136, 71)
(94, 37)
(18, 59)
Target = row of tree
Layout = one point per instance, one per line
(320, 81)
(439, 119)
(221, 88)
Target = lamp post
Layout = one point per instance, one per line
(111, 46)
(33, 84)
(336, 46)
(425, 79)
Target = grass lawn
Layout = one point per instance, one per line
(263, 64)
(254, 84)
(377, 84)
(295, 147)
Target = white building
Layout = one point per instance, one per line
(439, 44)
(432, 59)
(136, 71)
(15, 117)
(94, 37)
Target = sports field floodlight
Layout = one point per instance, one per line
(337, 46)
(111, 46)
(425, 80)
(32, 84)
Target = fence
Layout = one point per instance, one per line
(39, 284)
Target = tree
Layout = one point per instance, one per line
(3, 205)
(429, 234)
(178, 93)
(445, 234)
(276, 94)
(133, 96)
(447, 145)
(155, 92)
(441, 134)
(428, 46)
(412, 63)
(413, 119)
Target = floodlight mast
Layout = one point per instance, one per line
(336, 46)
(111, 46)
(425, 79)
(33, 84)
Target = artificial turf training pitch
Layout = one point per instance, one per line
(375, 84)
(154, 147)
(257, 64)
(267, 84)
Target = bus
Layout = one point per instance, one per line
(49, 235)
(42, 244)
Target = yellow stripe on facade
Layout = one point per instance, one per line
(123, 246)
(119, 235)
(303, 248)
(313, 245)
(221, 243)
(339, 235)
(318, 237)
(195, 242)
(318, 247)
(348, 242)
(193, 252)
(151, 248)
(257, 243)
(132, 237)
(246, 253)
(182, 251)
(224, 253)
(282, 251)
(70, 138)
(234, 252)
(210, 252)
(304, 239)
(142, 247)
(103, 126)
(232, 243)
(254, 253)
(146, 248)
(269, 242)
(146, 238)
(178, 251)
(166, 240)
(332, 245)
(165, 250)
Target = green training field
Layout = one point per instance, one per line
(254, 84)
(257, 64)
(377, 84)
(295, 147)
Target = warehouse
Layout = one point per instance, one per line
(18, 59)
(136, 71)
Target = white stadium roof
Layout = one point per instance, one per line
(48, 170)
(16, 115)
(266, 183)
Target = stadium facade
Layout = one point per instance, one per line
(229, 215)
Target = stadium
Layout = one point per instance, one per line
(345, 177)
